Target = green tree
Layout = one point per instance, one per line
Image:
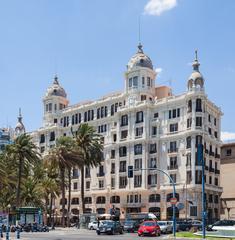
(90, 146)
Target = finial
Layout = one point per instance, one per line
(56, 80)
(196, 64)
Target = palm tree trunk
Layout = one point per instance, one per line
(63, 196)
(82, 190)
(69, 197)
(19, 183)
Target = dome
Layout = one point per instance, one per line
(139, 60)
(56, 89)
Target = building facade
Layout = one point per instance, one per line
(227, 178)
(146, 127)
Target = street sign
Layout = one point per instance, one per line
(173, 201)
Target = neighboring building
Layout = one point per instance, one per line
(227, 171)
(147, 127)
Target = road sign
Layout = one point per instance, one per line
(173, 201)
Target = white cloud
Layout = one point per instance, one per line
(157, 7)
(227, 136)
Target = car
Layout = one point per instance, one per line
(165, 226)
(109, 227)
(131, 226)
(93, 225)
(213, 227)
(184, 225)
(149, 228)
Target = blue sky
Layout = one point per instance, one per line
(89, 42)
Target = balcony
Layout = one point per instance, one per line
(173, 150)
(217, 171)
(100, 174)
(172, 167)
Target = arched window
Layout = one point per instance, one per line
(154, 198)
(170, 195)
(100, 199)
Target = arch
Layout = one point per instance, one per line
(100, 210)
(115, 199)
(100, 199)
(170, 195)
(154, 198)
(169, 214)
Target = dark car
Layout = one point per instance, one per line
(131, 226)
(213, 226)
(109, 227)
(184, 225)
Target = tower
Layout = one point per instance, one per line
(54, 101)
(140, 78)
(196, 80)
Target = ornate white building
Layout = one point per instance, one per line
(144, 126)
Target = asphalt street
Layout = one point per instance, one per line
(80, 234)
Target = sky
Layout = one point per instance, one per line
(88, 43)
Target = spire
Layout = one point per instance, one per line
(56, 80)
(195, 63)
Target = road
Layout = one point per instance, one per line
(79, 234)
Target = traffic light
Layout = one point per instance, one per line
(130, 171)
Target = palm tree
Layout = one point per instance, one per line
(90, 146)
(24, 152)
(63, 157)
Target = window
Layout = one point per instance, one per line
(101, 184)
(124, 134)
(198, 121)
(75, 186)
(139, 132)
(124, 120)
(122, 166)
(137, 180)
(188, 142)
(152, 179)
(122, 182)
(122, 151)
(138, 163)
(139, 117)
(193, 211)
(154, 198)
(135, 81)
(198, 105)
(112, 154)
(174, 127)
(154, 131)
(42, 138)
(52, 136)
(112, 168)
(228, 152)
(189, 122)
(152, 148)
(88, 183)
(138, 149)
(152, 163)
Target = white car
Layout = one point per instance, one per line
(165, 226)
(93, 225)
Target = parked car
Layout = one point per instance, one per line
(109, 227)
(131, 226)
(93, 225)
(220, 223)
(184, 225)
(165, 226)
(149, 228)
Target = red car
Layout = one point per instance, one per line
(149, 228)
